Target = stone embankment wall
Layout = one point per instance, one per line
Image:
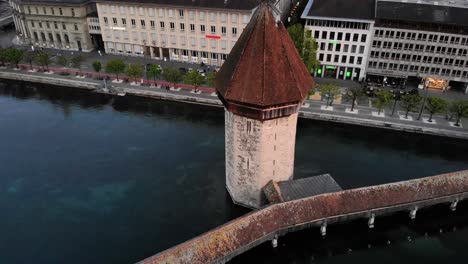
(227, 241)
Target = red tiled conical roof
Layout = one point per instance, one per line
(264, 68)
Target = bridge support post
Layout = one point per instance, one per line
(274, 242)
(371, 221)
(453, 206)
(413, 212)
(323, 229)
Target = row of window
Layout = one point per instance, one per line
(419, 58)
(172, 13)
(41, 36)
(338, 24)
(48, 11)
(331, 35)
(172, 26)
(164, 39)
(418, 68)
(380, 33)
(55, 24)
(338, 47)
(419, 48)
(340, 58)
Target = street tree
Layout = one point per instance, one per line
(296, 32)
(435, 105)
(115, 67)
(3, 56)
(354, 94)
(154, 71)
(76, 62)
(172, 75)
(382, 99)
(44, 60)
(410, 103)
(330, 92)
(210, 79)
(195, 79)
(62, 61)
(309, 52)
(97, 66)
(29, 57)
(134, 71)
(14, 56)
(459, 108)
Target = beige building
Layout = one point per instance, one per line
(52, 24)
(195, 34)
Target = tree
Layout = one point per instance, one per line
(116, 67)
(435, 105)
(383, 99)
(3, 56)
(30, 57)
(62, 61)
(14, 56)
(309, 52)
(194, 78)
(210, 79)
(172, 75)
(134, 71)
(354, 94)
(154, 71)
(330, 92)
(296, 32)
(97, 66)
(76, 62)
(410, 102)
(43, 59)
(460, 109)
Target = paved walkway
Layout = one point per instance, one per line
(313, 109)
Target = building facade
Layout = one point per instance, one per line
(404, 39)
(50, 24)
(179, 33)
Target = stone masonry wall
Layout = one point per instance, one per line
(256, 153)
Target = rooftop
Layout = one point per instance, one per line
(349, 9)
(264, 69)
(219, 4)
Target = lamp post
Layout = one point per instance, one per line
(424, 102)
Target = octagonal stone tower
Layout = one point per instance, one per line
(262, 85)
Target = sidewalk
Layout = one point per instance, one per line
(312, 109)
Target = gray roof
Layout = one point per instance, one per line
(423, 12)
(349, 9)
(302, 188)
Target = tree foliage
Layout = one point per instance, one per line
(115, 67)
(3, 56)
(154, 71)
(30, 57)
(62, 61)
(134, 71)
(296, 32)
(76, 62)
(43, 59)
(460, 109)
(194, 78)
(410, 103)
(435, 105)
(172, 75)
(14, 56)
(354, 94)
(330, 92)
(210, 79)
(383, 98)
(97, 66)
(309, 52)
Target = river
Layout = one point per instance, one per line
(89, 178)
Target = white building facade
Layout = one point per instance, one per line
(404, 39)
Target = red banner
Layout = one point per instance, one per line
(213, 37)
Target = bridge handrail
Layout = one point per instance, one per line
(241, 234)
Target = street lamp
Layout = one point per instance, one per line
(424, 102)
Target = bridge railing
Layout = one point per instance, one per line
(235, 237)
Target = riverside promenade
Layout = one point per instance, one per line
(312, 109)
